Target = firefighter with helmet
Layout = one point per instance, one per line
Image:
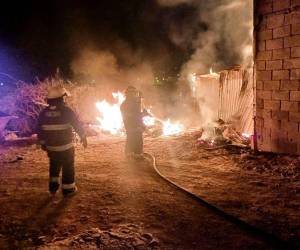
(55, 133)
(132, 114)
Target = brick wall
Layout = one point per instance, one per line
(277, 67)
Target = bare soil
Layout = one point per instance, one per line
(124, 205)
(262, 189)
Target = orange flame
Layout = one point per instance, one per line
(111, 121)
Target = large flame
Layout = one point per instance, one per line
(111, 117)
(111, 121)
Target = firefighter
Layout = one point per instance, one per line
(132, 114)
(55, 133)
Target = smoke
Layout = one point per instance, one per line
(103, 68)
(203, 34)
(219, 35)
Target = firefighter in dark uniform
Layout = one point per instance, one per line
(132, 114)
(55, 134)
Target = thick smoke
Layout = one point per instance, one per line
(102, 68)
(219, 36)
(215, 34)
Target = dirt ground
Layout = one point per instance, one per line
(125, 205)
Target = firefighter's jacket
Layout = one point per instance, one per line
(132, 115)
(55, 128)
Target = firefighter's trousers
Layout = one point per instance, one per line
(62, 160)
(134, 142)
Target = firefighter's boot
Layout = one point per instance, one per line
(53, 187)
(67, 192)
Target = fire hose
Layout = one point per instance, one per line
(270, 238)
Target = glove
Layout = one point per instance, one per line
(84, 142)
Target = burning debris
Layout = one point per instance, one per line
(208, 92)
(225, 103)
(110, 120)
(111, 117)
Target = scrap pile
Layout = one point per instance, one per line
(220, 135)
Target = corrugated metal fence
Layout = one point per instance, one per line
(235, 104)
(236, 99)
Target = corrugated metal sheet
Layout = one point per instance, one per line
(207, 95)
(235, 97)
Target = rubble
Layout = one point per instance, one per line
(4, 120)
(221, 135)
(96, 238)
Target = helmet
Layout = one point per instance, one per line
(57, 92)
(131, 91)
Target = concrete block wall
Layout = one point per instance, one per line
(277, 67)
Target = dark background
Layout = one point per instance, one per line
(37, 37)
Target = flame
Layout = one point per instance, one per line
(149, 121)
(212, 73)
(172, 128)
(118, 95)
(111, 120)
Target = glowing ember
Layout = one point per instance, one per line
(172, 128)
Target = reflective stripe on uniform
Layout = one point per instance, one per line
(53, 127)
(60, 148)
(69, 186)
(54, 179)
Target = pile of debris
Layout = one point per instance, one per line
(220, 134)
(95, 238)
(4, 120)
(9, 137)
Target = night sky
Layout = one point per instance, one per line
(36, 37)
